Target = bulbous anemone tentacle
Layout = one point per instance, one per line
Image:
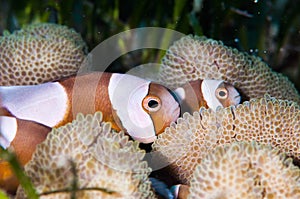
(265, 120)
(40, 53)
(106, 163)
(245, 170)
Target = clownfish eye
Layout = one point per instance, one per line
(222, 93)
(151, 103)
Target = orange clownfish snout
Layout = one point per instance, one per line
(207, 93)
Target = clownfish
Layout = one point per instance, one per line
(141, 108)
(206, 93)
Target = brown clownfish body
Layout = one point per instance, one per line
(206, 93)
(139, 107)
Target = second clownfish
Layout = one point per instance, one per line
(206, 93)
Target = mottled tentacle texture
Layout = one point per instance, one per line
(40, 53)
(194, 57)
(245, 170)
(266, 120)
(102, 159)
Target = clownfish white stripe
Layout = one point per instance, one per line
(45, 103)
(8, 130)
(126, 93)
(180, 94)
(208, 88)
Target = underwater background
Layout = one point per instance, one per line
(267, 28)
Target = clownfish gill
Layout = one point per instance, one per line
(206, 93)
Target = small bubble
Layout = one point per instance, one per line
(255, 1)
(251, 50)
(265, 52)
(236, 40)
(269, 18)
(256, 50)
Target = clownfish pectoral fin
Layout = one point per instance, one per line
(180, 191)
(188, 97)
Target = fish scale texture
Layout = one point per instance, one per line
(40, 53)
(89, 153)
(265, 120)
(194, 57)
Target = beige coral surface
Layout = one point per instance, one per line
(102, 163)
(194, 57)
(245, 170)
(51, 30)
(266, 120)
(40, 53)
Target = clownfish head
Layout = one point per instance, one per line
(207, 93)
(144, 108)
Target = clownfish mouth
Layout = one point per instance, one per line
(237, 99)
(175, 114)
(145, 140)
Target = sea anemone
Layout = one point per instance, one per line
(51, 30)
(40, 53)
(266, 120)
(245, 170)
(194, 57)
(89, 159)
